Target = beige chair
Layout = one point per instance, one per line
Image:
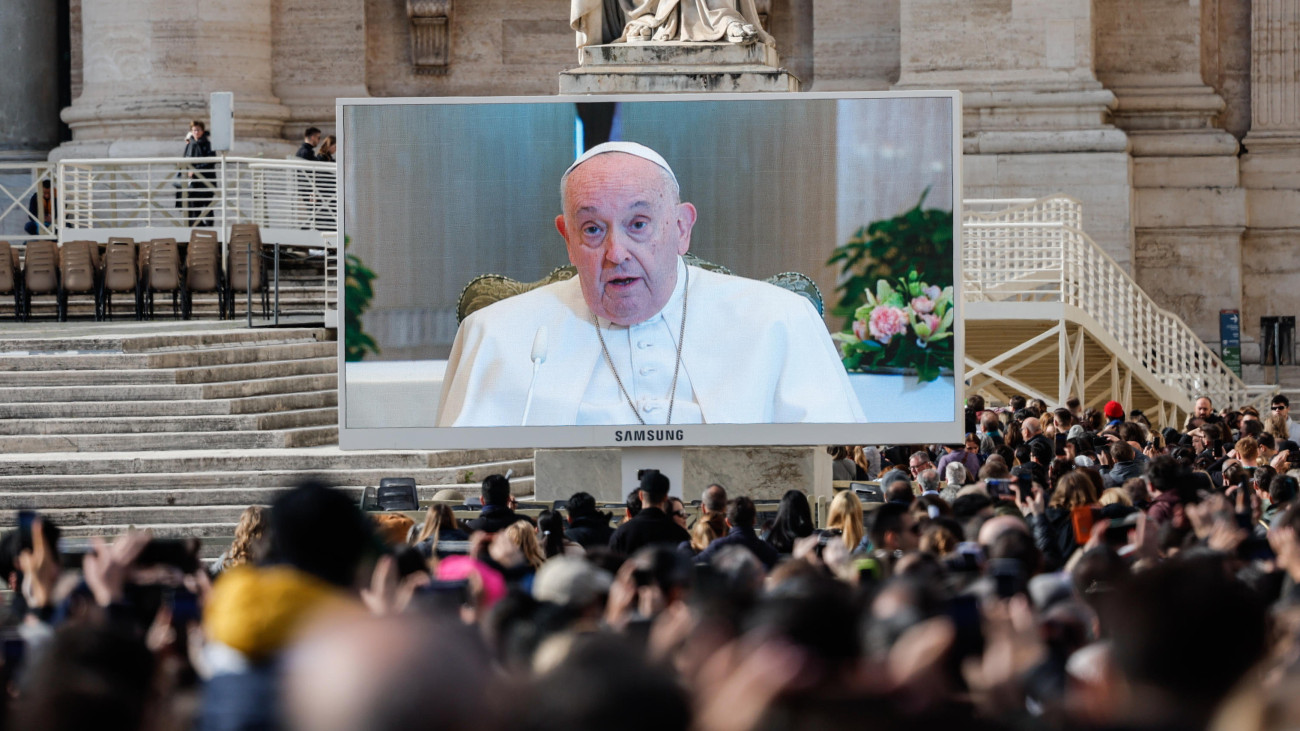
(11, 281)
(164, 274)
(203, 270)
(40, 272)
(77, 274)
(244, 253)
(120, 275)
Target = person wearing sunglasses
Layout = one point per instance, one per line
(1282, 406)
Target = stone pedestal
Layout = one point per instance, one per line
(29, 86)
(677, 67)
(761, 473)
(150, 65)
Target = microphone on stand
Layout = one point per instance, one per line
(538, 357)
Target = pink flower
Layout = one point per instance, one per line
(933, 292)
(886, 322)
(860, 329)
(931, 321)
(922, 305)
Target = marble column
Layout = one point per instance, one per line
(29, 86)
(149, 66)
(1035, 116)
(319, 56)
(1189, 209)
(1270, 168)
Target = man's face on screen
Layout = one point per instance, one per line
(624, 229)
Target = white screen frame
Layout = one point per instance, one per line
(686, 435)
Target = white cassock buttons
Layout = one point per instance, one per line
(644, 344)
(646, 370)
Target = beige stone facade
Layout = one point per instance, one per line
(1176, 122)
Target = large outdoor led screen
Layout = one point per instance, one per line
(713, 270)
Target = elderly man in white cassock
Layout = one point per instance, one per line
(639, 337)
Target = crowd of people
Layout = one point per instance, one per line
(1057, 569)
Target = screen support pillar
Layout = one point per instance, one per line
(667, 460)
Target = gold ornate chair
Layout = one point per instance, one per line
(486, 289)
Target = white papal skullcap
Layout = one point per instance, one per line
(631, 148)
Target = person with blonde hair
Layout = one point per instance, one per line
(702, 534)
(1276, 424)
(525, 539)
(439, 525)
(1115, 495)
(845, 516)
(248, 545)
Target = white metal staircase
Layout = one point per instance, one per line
(1050, 315)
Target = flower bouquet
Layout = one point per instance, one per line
(896, 294)
(908, 327)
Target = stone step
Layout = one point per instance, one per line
(433, 477)
(196, 357)
(168, 392)
(147, 337)
(154, 424)
(200, 516)
(160, 530)
(302, 461)
(192, 497)
(301, 437)
(190, 407)
(143, 375)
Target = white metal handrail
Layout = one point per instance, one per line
(23, 208)
(1036, 251)
(180, 192)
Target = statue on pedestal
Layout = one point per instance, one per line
(734, 21)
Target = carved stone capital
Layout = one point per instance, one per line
(430, 35)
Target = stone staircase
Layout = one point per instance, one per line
(178, 427)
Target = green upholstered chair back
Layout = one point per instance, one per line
(486, 289)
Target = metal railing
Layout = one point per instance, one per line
(25, 213)
(1024, 250)
(156, 196)
(293, 202)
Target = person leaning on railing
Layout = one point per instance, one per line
(41, 209)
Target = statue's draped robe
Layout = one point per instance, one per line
(669, 20)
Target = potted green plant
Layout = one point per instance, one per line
(358, 291)
(896, 295)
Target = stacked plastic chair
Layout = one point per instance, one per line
(77, 275)
(245, 272)
(11, 279)
(121, 274)
(203, 270)
(40, 272)
(164, 274)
